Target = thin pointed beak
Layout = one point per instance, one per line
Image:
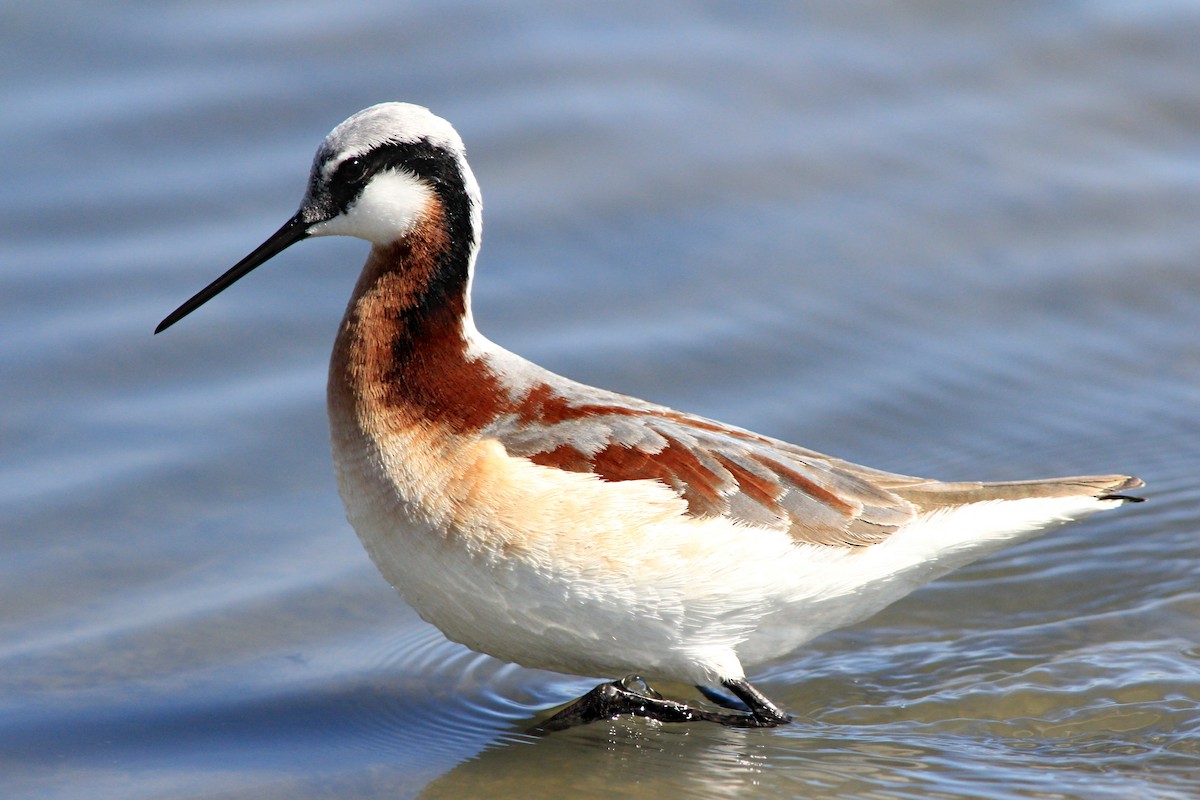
(294, 230)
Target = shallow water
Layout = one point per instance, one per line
(940, 239)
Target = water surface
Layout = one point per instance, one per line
(940, 239)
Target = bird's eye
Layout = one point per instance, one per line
(353, 170)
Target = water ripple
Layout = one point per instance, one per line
(957, 244)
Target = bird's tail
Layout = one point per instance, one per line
(1110, 490)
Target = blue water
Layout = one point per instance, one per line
(944, 239)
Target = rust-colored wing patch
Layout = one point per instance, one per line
(718, 470)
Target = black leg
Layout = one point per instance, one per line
(610, 700)
(761, 707)
(723, 700)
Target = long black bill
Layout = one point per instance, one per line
(294, 230)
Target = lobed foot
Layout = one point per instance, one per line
(610, 700)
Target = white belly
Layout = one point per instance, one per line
(575, 575)
(565, 572)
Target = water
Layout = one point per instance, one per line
(945, 239)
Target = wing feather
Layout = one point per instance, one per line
(719, 470)
(725, 471)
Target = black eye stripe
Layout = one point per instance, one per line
(426, 161)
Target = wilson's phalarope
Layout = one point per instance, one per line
(569, 528)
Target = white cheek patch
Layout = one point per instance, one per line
(386, 210)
